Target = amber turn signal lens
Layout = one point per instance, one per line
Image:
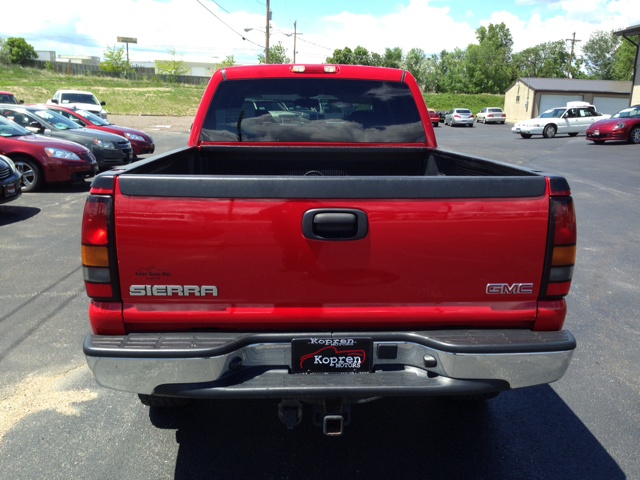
(564, 255)
(95, 256)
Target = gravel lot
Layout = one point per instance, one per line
(149, 124)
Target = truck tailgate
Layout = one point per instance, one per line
(422, 262)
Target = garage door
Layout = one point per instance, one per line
(610, 105)
(551, 101)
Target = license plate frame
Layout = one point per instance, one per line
(331, 355)
(10, 190)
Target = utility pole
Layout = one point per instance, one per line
(294, 41)
(573, 42)
(266, 50)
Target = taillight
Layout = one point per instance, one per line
(98, 253)
(561, 249)
(456, 116)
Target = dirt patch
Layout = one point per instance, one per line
(35, 394)
(150, 124)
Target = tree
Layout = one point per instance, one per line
(115, 60)
(277, 54)
(18, 50)
(392, 57)
(4, 52)
(174, 66)
(599, 54)
(487, 64)
(548, 60)
(624, 57)
(452, 72)
(342, 56)
(416, 63)
(229, 61)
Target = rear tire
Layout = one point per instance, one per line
(634, 135)
(32, 175)
(549, 131)
(526, 135)
(162, 402)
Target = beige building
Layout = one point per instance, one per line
(632, 34)
(528, 97)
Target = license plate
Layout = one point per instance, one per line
(596, 133)
(10, 190)
(331, 355)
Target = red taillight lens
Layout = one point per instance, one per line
(561, 248)
(94, 220)
(98, 257)
(457, 116)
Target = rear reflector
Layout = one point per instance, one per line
(98, 290)
(559, 289)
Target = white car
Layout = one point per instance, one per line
(79, 99)
(573, 119)
(491, 115)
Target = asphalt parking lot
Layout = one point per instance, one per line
(55, 422)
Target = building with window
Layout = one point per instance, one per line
(528, 97)
(632, 34)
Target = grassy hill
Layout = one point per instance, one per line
(149, 97)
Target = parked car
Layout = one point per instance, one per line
(109, 149)
(141, 143)
(41, 159)
(491, 115)
(624, 125)
(442, 114)
(570, 120)
(459, 116)
(10, 180)
(8, 97)
(79, 99)
(435, 118)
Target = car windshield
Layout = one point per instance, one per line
(56, 121)
(325, 110)
(11, 129)
(78, 98)
(631, 112)
(553, 113)
(463, 110)
(96, 120)
(8, 98)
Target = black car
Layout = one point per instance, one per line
(10, 180)
(109, 149)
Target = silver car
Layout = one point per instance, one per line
(491, 115)
(459, 116)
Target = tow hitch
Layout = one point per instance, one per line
(332, 414)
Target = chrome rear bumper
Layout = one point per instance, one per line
(258, 365)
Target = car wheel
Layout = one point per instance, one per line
(549, 131)
(502, 123)
(599, 142)
(634, 135)
(573, 134)
(162, 402)
(32, 175)
(526, 135)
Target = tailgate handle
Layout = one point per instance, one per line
(334, 224)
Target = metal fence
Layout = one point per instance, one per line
(137, 73)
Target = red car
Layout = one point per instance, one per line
(141, 143)
(434, 116)
(8, 97)
(624, 125)
(42, 159)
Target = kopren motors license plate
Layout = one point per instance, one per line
(331, 355)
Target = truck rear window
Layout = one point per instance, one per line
(313, 110)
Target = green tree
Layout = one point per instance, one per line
(416, 63)
(18, 50)
(392, 57)
(342, 56)
(548, 60)
(598, 54)
(174, 66)
(487, 64)
(115, 60)
(277, 54)
(4, 52)
(451, 70)
(229, 61)
(624, 57)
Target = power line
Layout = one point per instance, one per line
(239, 34)
(221, 7)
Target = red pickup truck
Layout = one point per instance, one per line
(324, 261)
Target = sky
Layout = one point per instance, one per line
(209, 31)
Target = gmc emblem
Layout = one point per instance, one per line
(506, 289)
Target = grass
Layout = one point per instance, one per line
(148, 97)
(126, 97)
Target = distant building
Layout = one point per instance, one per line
(80, 59)
(196, 69)
(528, 97)
(46, 55)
